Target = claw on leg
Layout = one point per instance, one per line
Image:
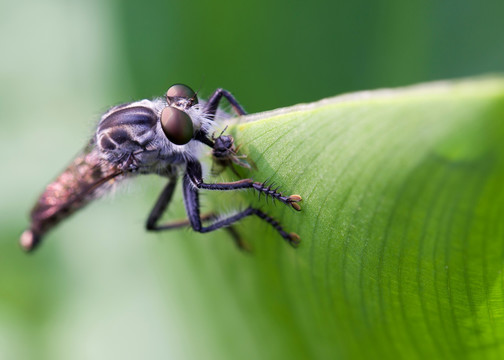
(294, 239)
(293, 201)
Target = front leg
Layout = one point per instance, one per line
(225, 155)
(213, 103)
(210, 110)
(223, 150)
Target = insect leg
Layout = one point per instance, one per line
(161, 205)
(191, 200)
(181, 223)
(213, 103)
(195, 175)
(211, 109)
(223, 152)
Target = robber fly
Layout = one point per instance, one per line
(159, 136)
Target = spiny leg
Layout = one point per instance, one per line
(191, 201)
(193, 171)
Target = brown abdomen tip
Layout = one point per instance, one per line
(28, 240)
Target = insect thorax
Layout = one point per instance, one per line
(132, 133)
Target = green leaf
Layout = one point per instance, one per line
(401, 225)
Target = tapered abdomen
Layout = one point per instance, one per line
(86, 178)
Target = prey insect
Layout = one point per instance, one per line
(159, 136)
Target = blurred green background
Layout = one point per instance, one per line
(101, 287)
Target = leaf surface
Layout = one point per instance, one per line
(401, 224)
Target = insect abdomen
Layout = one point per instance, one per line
(74, 188)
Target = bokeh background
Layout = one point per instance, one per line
(101, 287)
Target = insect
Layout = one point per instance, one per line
(159, 136)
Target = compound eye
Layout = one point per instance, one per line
(177, 125)
(182, 91)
